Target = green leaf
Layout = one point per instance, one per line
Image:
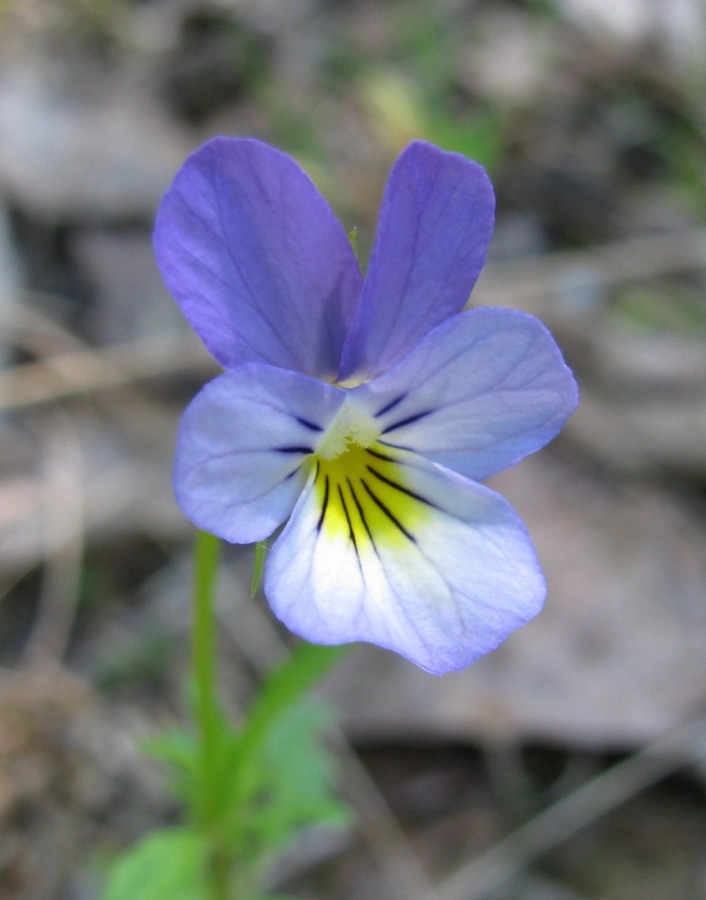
(282, 776)
(482, 139)
(174, 746)
(668, 310)
(167, 865)
(283, 688)
(240, 769)
(300, 777)
(177, 749)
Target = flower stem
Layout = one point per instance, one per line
(260, 552)
(206, 707)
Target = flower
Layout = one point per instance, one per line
(363, 413)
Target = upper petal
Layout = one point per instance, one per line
(243, 446)
(479, 393)
(256, 259)
(406, 555)
(435, 224)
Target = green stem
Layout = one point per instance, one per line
(207, 709)
(258, 567)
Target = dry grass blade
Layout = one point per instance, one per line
(385, 838)
(63, 538)
(526, 283)
(558, 823)
(87, 370)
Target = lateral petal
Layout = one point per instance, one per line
(480, 392)
(435, 224)
(421, 561)
(255, 258)
(243, 449)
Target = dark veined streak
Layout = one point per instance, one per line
(363, 498)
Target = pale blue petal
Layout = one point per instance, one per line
(244, 447)
(257, 261)
(435, 224)
(442, 578)
(480, 392)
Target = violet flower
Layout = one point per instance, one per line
(360, 412)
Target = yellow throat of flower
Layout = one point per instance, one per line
(361, 488)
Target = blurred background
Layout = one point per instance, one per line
(570, 763)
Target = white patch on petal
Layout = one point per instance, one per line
(442, 587)
(352, 425)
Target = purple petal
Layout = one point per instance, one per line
(255, 258)
(243, 449)
(483, 390)
(435, 225)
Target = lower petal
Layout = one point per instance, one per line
(244, 447)
(406, 555)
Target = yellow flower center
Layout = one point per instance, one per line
(361, 488)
